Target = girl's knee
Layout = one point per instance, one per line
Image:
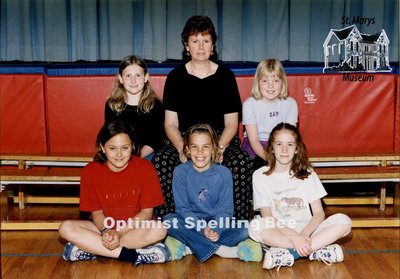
(156, 235)
(347, 222)
(161, 233)
(66, 228)
(256, 227)
(344, 221)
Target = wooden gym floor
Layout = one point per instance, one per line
(37, 254)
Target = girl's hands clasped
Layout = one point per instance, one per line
(110, 239)
(210, 234)
(302, 245)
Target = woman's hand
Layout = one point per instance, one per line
(110, 239)
(210, 234)
(302, 244)
(221, 155)
(182, 157)
(171, 125)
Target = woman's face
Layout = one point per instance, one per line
(118, 151)
(270, 86)
(133, 79)
(200, 46)
(200, 150)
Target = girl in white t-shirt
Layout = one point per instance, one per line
(284, 191)
(268, 105)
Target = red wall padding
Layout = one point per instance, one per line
(346, 117)
(75, 109)
(335, 116)
(22, 121)
(397, 124)
(157, 82)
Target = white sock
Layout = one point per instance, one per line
(227, 252)
(188, 251)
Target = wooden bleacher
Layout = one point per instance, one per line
(17, 171)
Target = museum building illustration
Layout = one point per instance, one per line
(348, 50)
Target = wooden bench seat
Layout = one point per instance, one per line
(365, 174)
(321, 160)
(60, 169)
(332, 160)
(359, 174)
(41, 176)
(326, 174)
(24, 162)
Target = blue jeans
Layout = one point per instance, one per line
(201, 246)
(150, 156)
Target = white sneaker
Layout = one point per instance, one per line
(329, 254)
(72, 253)
(277, 257)
(158, 253)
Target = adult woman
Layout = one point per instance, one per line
(202, 91)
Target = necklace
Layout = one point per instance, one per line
(192, 70)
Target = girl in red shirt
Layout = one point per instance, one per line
(120, 191)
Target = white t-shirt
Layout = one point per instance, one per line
(288, 197)
(267, 115)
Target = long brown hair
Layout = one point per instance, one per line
(119, 96)
(300, 166)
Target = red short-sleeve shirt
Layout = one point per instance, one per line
(121, 195)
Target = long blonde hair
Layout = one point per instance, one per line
(118, 94)
(265, 67)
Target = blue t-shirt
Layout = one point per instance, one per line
(203, 195)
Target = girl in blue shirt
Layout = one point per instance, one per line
(203, 197)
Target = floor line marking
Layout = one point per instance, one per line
(31, 255)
